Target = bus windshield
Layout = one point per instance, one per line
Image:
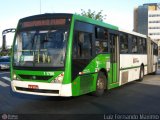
(40, 48)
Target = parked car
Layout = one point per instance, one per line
(4, 62)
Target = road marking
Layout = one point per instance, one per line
(7, 78)
(4, 73)
(3, 84)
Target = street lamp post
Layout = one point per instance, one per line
(40, 5)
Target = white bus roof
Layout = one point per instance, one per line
(133, 33)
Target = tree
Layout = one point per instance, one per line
(93, 14)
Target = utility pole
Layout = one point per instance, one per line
(40, 5)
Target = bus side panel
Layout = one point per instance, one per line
(152, 51)
(155, 63)
(85, 81)
(84, 84)
(130, 67)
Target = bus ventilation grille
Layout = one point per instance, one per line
(37, 90)
(35, 77)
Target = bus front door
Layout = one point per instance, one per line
(114, 50)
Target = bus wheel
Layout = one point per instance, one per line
(100, 84)
(141, 75)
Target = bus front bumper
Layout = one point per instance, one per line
(43, 89)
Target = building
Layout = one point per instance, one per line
(147, 20)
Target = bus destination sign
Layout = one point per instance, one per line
(46, 22)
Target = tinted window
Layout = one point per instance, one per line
(155, 49)
(123, 43)
(101, 33)
(101, 42)
(144, 46)
(134, 45)
(82, 45)
(140, 45)
(85, 27)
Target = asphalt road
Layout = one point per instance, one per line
(132, 98)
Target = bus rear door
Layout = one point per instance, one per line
(114, 50)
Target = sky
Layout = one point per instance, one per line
(119, 12)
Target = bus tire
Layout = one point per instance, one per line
(141, 74)
(100, 84)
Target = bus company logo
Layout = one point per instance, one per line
(4, 116)
(135, 60)
(9, 117)
(34, 77)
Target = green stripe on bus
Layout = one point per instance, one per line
(92, 21)
(131, 67)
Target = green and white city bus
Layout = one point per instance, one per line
(71, 55)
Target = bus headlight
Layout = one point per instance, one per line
(15, 77)
(59, 78)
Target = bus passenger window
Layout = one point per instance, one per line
(123, 44)
(101, 42)
(86, 45)
(144, 46)
(101, 46)
(75, 48)
(82, 45)
(134, 45)
(155, 49)
(140, 46)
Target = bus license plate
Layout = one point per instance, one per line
(33, 86)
